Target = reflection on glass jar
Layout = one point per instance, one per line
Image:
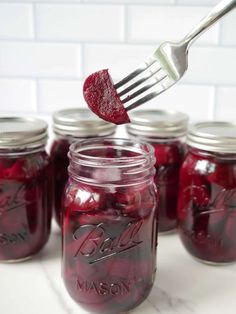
(165, 130)
(207, 202)
(25, 188)
(71, 125)
(110, 225)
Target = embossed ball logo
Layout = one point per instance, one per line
(204, 204)
(11, 197)
(95, 244)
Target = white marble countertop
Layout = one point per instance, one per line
(183, 285)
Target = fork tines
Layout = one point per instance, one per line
(148, 75)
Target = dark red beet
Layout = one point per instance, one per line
(102, 98)
(207, 207)
(25, 205)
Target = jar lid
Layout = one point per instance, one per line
(214, 136)
(20, 132)
(160, 123)
(80, 122)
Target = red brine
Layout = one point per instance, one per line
(109, 229)
(207, 206)
(60, 163)
(102, 98)
(169, 158)
(25, 204)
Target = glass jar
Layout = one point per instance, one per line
(25, 188)
(71, 125)
(207, 201)
(110, 225)
(165, 130)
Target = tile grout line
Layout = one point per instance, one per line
(34, 9)
(117, 2)
(57, 41)
(82, 61)
(37, 95)
(216, 102)
(220, 35)
(213, 103)
(76, 78)
(126, 24)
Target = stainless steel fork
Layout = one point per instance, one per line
(167, 65)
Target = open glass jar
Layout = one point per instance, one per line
(110, 225)
(207, 201)
(71, 125)
(166, 131)
(25, 188)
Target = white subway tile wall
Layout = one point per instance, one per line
(159, 23)
(81, 22)
(48, 47)
(226, 103)
(16, 21)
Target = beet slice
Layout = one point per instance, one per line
(102, 98)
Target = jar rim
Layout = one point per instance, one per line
(161, 123)
(18, 132)
(213, 136)
(80, 122)
(77, 148)
(115, 170)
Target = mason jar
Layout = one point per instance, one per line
(165, 131)
(25, 188)
(207, 194)
(110, 224)
(71, 125)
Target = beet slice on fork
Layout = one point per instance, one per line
(102, 98)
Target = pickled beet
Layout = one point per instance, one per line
(25, 205)
(207, 206)
(102, 98)
(109, 232)
(169, 157)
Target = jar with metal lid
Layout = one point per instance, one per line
(71, 125)
(110, 224)
(166, 131)
(25, 188)
(207, 201)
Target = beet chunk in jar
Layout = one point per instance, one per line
(207, 202)
(71, 125)
(110, 224)
(25, 188)
(166, 131)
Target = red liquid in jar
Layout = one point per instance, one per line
(109, 242)
(169, 158)
(60, 163)
(25, 205)
(207, 206)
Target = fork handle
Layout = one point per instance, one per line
(218, 12)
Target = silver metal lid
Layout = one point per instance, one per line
(214, 136)
(20, 132)
(160, 123)
(79, 122)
